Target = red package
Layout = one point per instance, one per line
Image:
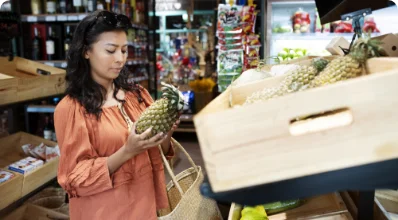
(252, 51)
(248, 28)
(343, 27)
(251, 63)
(248, 14)
(40, 151)
(253, 40)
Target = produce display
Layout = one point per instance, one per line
(321, 72)
(253, 213)
(261, 212)
(289, 54)
(163, 113)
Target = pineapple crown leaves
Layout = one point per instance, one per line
(174, 95)
(365, 48)
(319, 63)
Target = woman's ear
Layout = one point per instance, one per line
(86, 54)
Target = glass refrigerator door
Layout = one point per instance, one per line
(292, 29)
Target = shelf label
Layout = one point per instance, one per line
(31, 18)
(64, 64)
(50, 18)
(62, 18)
(81, 17)
(72, 18)
(49, 64)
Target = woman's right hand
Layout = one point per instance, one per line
(138, 143)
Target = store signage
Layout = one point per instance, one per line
(168, 5)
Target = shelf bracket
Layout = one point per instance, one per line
(358, 19)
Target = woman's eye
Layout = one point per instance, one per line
(110, 51)
(124, 51)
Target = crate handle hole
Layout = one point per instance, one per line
(321, 121)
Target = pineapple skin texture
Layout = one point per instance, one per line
(295, 81)
(160, 116)
(339, 69)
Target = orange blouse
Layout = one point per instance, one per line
(135, 191)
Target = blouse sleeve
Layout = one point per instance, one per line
(81, 171)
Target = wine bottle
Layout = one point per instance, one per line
(78, 5)
(51, 7)
(35, 7)
(90, 5)
(48, 131)
(50, 44)
(67, 41)
(85, 5)
(100, 5)
(62, 6)
(36, 52)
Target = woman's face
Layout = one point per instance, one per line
(107, 56)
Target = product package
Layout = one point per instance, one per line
(4, 176)
(26, 165)
(52, 153)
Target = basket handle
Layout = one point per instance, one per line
(168, 168)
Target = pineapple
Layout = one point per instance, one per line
(349, 66)
(163, 113)
(296, 80)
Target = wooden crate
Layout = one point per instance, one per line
(20, 80)
(33, 212)
(263, 138)
(10, 152)
(325, 207)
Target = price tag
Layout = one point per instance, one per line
(49, 64)
(129, 62)
(81, 17)
(72, 18)
(50, 18)
(62, 18)
(31, 18)
(64, 64)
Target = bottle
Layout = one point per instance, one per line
(62, 6)
(67, 41)
(78, 5)
(51, 7)
(100, 5)
(90, 5)
(85, 5)
(36, 52)
(48, 130)
(35, 7)
(50, 44)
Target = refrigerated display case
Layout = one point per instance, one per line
(292, 24)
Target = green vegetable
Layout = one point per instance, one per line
(276, 207)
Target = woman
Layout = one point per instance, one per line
(108, 171)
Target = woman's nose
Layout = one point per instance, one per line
(120, 56)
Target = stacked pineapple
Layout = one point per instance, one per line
(163, 113)
(296, 80)
(320, 72)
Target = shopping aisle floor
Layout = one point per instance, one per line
(190, 142)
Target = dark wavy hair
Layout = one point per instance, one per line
(80, 85)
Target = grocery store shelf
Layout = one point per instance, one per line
(40, 108)
(63, 63)
(186, 117)
(179, 31)
(137, 79)
(65, 17)
(313, 36)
